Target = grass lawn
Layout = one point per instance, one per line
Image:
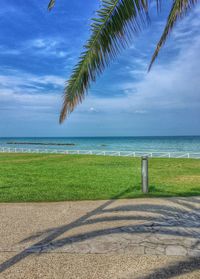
(51, 177)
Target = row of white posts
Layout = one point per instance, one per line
(154, 154)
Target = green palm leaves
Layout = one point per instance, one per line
(51, 4)
(110, 31)
(178, 10)
(116, 22)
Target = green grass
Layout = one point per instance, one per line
(51, 177)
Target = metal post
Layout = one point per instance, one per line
(145, 174)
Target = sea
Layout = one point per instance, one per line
(156, 143)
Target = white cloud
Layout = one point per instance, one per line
(47, 47)
(41, 43)
(23, 90)
(38, 47)
(14, 79)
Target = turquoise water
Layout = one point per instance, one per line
(173, 144)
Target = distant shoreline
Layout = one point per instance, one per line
(166, 144)
(41, 143)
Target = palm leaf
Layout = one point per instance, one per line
(179, 10)
(111, 31)
(51, 4)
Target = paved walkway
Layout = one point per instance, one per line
(138, 238)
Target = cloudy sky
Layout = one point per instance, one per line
(38, 50)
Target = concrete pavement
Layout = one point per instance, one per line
(137, 238)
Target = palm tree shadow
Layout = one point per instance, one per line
(54, 233)
(173, 270)
(165, 223)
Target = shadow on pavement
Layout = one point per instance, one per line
(165, 224)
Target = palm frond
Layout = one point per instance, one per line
(179, 10)
(51, 4)
(117, 20)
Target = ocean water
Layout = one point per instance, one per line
(170, 144)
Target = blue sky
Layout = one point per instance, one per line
(38, 50)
